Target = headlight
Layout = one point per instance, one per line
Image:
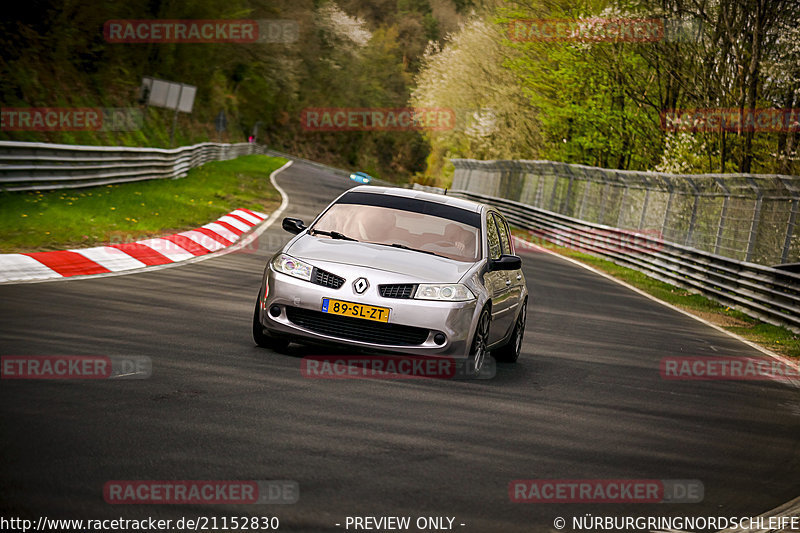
(455, 292)
(294, 267)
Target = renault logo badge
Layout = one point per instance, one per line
(360, 285)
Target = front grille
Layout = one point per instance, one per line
(403, 290)
(357, 329)
(326, 279)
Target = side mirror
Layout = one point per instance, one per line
(506, 262)
(293, 225)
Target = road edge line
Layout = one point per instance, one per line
(766, 351)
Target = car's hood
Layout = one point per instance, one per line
(419, 265)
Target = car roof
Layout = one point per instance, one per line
(460, 203)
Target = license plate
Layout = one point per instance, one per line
(367, 312)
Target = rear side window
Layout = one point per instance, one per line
(493, 237)
(505, 238)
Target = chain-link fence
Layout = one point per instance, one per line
(741, 216)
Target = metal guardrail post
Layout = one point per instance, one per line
(693, 219)
(671, 188)
(603, 202)
(555, 188)
(751, 240)
(539, 189)
(471, 167)
(565, 201)
(642, 217)
(723, 215)
(622, 200)
(787, 243)
(587, 184)
(794, 190)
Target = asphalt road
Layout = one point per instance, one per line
(585, 401)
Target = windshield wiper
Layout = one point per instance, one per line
(404, 247)
(332, 234)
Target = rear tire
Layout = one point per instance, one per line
(261, 337)
(510, 352)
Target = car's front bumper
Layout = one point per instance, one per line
(300, 317)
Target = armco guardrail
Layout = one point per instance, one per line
(28, 166)
(766, 293)
(748, 217)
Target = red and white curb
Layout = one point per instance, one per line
(229, 233)
(212, 237)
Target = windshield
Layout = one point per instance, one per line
(391, 226)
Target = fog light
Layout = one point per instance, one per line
(275, 311)
(439, 338)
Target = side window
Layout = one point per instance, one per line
(495, 248)
(505, 239)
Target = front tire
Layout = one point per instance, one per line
(478, 351)
(262, 338)
(510, 352)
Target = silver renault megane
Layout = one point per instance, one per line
(397, 270)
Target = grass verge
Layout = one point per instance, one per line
(78, 218)
(778, 339)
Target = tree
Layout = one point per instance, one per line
(469, 76)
